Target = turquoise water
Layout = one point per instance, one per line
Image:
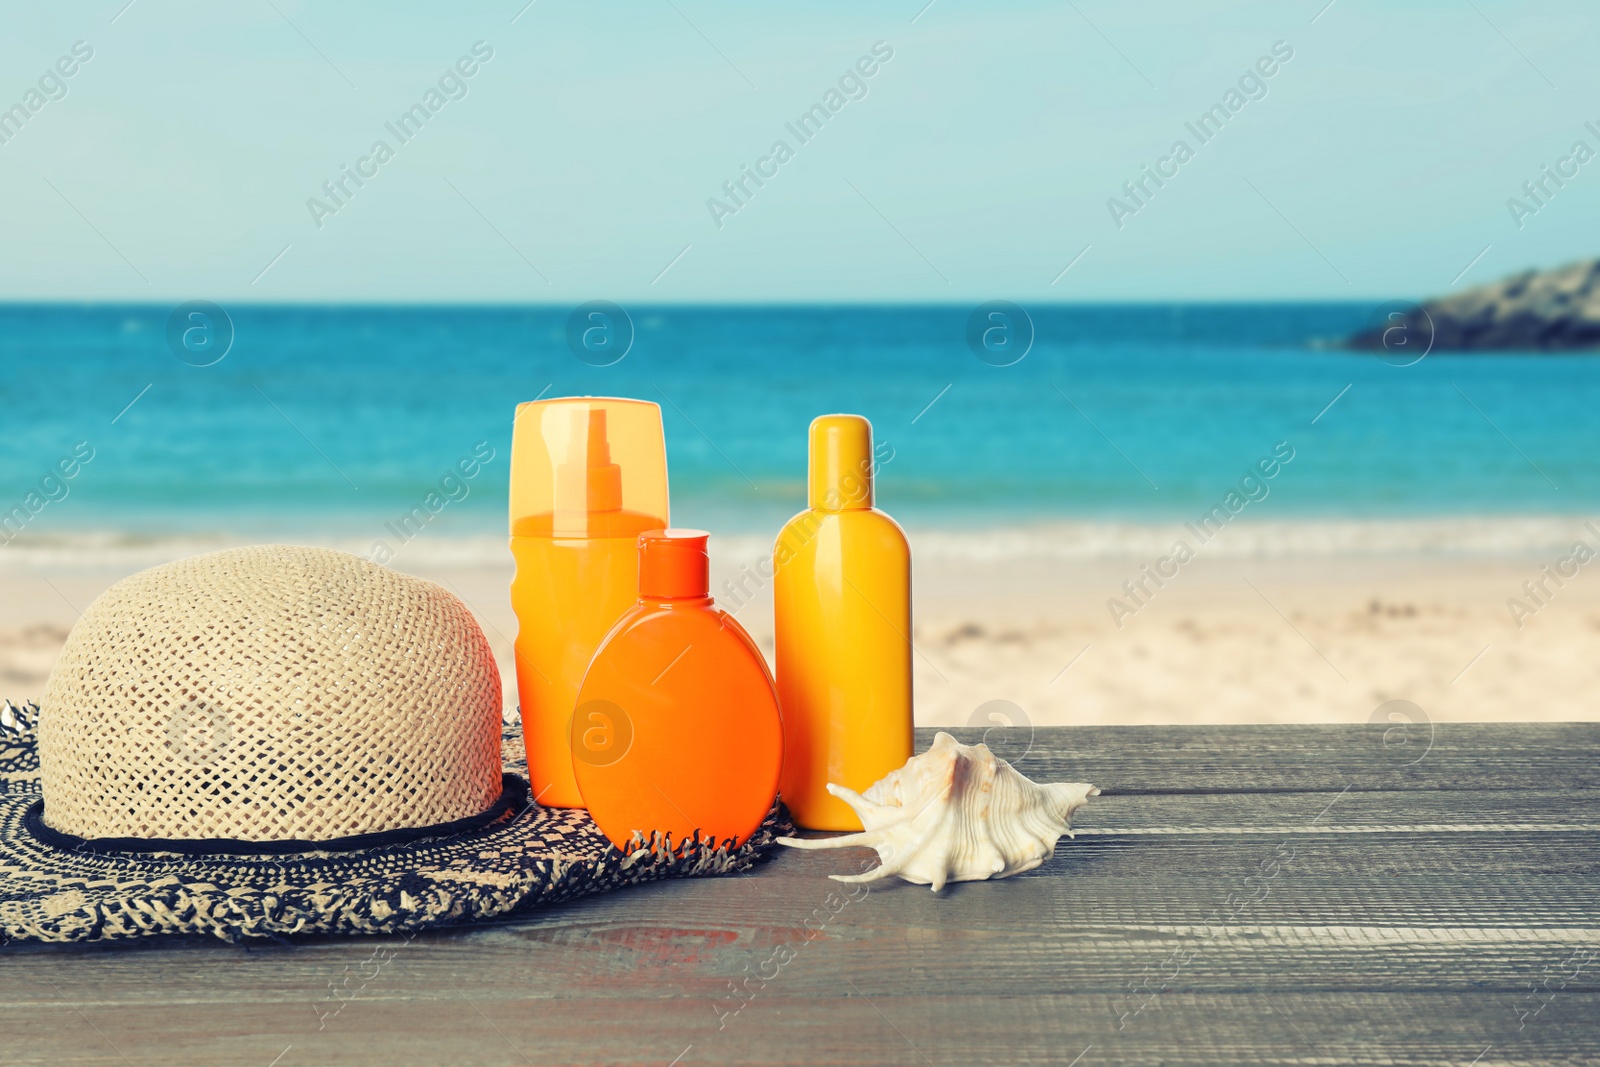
(322, 420)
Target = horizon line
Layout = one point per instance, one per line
(8, 302)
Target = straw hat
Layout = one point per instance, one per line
(280, 740)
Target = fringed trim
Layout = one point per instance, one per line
(548, 857)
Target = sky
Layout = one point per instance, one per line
(586, 154)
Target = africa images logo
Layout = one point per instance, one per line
(52, 85)
(852, 85)
(452, 85)
(1252, 85)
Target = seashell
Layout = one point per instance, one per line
(956, 813)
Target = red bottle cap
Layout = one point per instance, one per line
(673, 564)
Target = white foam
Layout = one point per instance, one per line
(1472, 536)
(1506, 536)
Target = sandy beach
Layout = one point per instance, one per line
(1301, 623)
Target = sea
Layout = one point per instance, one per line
(1002, 429)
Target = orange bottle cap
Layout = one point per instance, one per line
(587, 467)
(674, 564)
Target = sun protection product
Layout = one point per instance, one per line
(842, 595)
(676, 729)
(588, 475)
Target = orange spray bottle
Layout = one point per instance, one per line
(588, 475)
(842, 597)
(677, 728)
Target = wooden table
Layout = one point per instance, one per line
(1262, 894)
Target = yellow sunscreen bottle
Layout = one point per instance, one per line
(842, 596)
(588, 476)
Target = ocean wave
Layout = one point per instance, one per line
(1463, 536)
(1469, 536)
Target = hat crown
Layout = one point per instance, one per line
(268, 694)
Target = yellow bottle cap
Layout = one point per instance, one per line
(588, 467)
(841, 463)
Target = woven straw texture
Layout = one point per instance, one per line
(266, 694)
(525, 859)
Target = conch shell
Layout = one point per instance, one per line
(956, 813)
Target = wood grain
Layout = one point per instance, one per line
(1285, 894)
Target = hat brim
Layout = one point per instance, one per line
(528, 856)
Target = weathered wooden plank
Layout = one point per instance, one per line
(1321, 758)
(862, 1023)
(712, 968)
(1406, 919)
(1521, 812)
(1318, 921)
(1462, 878)
(713, 965)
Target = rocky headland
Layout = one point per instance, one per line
(1535, 311)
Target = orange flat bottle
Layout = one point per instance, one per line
(588, 475)
(676, 728)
